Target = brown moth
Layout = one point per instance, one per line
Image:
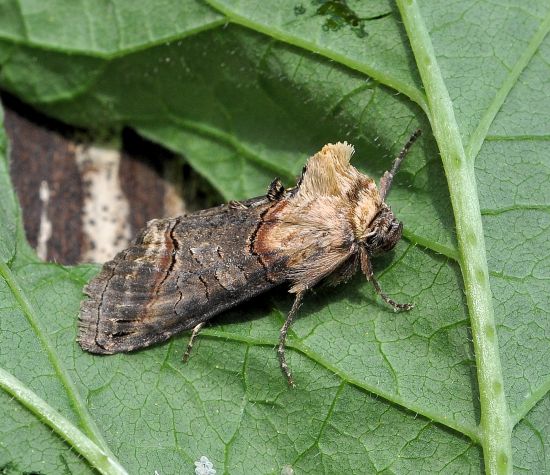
(180, 272)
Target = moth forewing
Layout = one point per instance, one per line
(180, 272)
(177, 273)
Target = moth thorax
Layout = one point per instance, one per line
(366, 206)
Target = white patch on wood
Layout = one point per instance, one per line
(106, 210)
(45, 228)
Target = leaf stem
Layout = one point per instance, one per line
(97, 457)
(495, 420)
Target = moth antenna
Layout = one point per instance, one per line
(282, 338)
(387, 178)
(195, 332)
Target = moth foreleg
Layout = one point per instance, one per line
(366, 267)
(276, 190)
(237, 205)
(282, 338)
(396, 306)
(194, 333)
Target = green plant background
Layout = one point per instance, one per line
(246, 90)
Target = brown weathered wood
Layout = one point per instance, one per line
(47, 153)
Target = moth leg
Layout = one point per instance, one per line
(195, 332)
(276, 190)
(366, 267)
(237, 205)
(396, 306)
(282, 338)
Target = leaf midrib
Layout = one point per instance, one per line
(495, 426)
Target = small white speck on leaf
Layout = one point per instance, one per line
(287, 470)
(204, 467)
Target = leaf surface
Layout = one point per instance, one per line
(246, 92)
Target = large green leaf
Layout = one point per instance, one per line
(246, 90)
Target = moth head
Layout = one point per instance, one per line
(383, 232)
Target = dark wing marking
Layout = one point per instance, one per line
(177, 273)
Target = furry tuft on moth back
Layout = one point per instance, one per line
(180, 272)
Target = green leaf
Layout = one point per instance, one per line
(246, 90)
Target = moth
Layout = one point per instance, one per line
(180, 272)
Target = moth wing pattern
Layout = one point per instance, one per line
(177, 273)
